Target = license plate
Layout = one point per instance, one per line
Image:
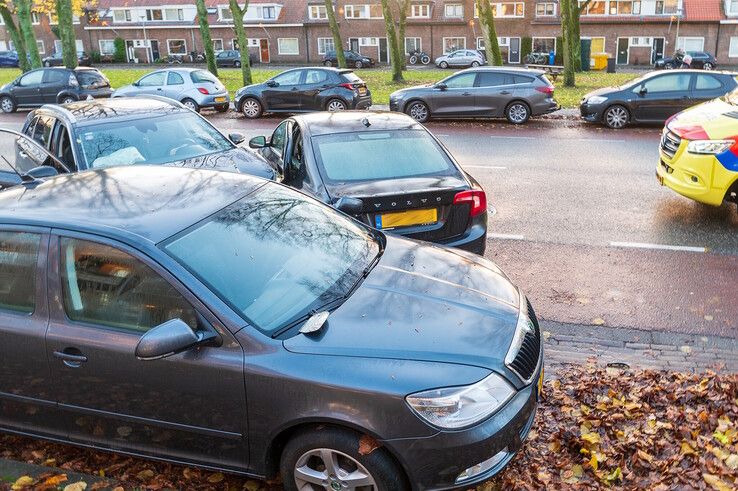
(362, 90)
(659, 178)
(406, 218)
(220, 99)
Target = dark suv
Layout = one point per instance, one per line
(53, 86)
(353, 59)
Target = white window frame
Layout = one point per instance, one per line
(218, 40)
(533, 41)
(498, 6)
(282, 52)
(443, 45)
(179, 14)
(35, 18)
(40, 46)
(125, 13)
(682, 40)
(221, 17)
(545, 6)
(265, 8)
(417, 42)
(324, 50)
(150, 13)
(360, 12)
(317, 12)
(587, 11)
(169, 48)
(455, 6)
(731, 7)
(419, 11)
(615, 5)
(100, 44)
(733, 47)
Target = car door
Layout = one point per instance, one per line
(175, 85)
(456, 98)
(659, 97)
(189, 406)
(274, 151)
(26, 390)
(151, 84)
(53, 82)
(316, 81)
(492, 92)
(27, 91)
(707, 87)
(283, 92)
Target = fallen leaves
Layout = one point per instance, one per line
(367, 445)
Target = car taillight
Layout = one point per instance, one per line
(203, 90)
(476, 198)
(348, 86)
(546, 90)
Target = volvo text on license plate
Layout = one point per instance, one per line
(406, 218)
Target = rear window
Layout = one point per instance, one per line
(351, 77)
(545, 79)
(91, 79)
(375, 155)
(201, 76)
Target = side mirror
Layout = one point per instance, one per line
(258, 142)
(9, 179)
(272, 83)
(42, 172)
(441, 86)
(167, 339)
(236, 138)
(643, 91)
(135, 84)
(350, 206)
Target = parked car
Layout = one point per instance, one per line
(83, 59)
(461, 58)
(145, 130)
(9, 59)
(513, 93)
(194, 87)
(53, 86)
(185, 289)
(700, 59)
(232, 58)
(24, 160)
(353, 59)
(384, 169)
(654, 97)
(699, 153)
(303, 90)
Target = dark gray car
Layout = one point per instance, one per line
(222, 320)
(513, 93)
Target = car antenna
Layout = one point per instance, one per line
(315, 322)
(25, 178)
(366, 122)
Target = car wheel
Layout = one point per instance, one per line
(616, 117)
(251, 108)
(669, 66)
(68, 99)
(475, 64)
(329, 458)
(359, 64)
(192, 105)
(335, 105)
(443, 65)
(708, 66)
(237, 64)
(47, 64)
(7, 104)
(328, 63)
(418, 111)
(517, 113)
(223, 108)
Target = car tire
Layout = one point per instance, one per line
(335, 105)
(251, 108)
(443, 65)
(47, 64)
(359, 64)
(7, 104)
(517, 112)
(328, 63)
(237, 64)
(67, 99)
(309, 450)
(419, 111)
(668, 66)
(708, 66)
(616, 117)
(222, 108)
(190, 104)
(475, 64)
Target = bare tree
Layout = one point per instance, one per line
(66, 32)
(243, 42)
(568, 35)
(337, 41)
(207, 41)
(487, 20)
(23, 11)
(15, 36)
(396, 59)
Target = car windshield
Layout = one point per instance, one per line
(373, 155)
(275, 256)
(150, 140)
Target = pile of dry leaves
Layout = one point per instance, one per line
(596, 428)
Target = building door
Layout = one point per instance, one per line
(383, 53)
(513, 54)
(264, 50)
(354, 45)
(657, 50)
(130, 52)
(154, 49)
(623, 51)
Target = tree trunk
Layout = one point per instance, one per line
(569, 77)
(487, 20)
(337, 41)
(15, 36)
(243, 41)
(576, 36)
(395, 58)
(66, 32)
(23, 8)
(207, 41)
(404, 6)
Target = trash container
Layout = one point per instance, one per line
(551, 57)
(611, 65)
(585, 50)
(599, 61)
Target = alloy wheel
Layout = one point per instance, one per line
(419, 112)
(475, 64)
(68, 100)
(359, 64)
(616, 117)
(331, 470)
(250, 108)
(336, 105)
(6, 104)
(237, 64)
(518, 113)
(190, 105)
(443, 65)
(707, 66)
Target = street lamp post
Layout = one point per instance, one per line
(146, 41)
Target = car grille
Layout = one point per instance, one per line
(526, 360)
(670, 143)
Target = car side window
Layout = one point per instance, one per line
(289, 78)
(62, 147)
(461, 81)
(492, 79)
(42, 130)
(278, 139)
(668, 83)
(316, 77)
(54, 76)
(297, 172)
(156, 78)
(31, 78)
(707, 82)
(175, 79)
(105, 286)
(18, 260)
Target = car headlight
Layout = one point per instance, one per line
(596, 99)
(457, 407)
(709, 147)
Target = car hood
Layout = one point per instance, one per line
(411, 90)
(715, 119)
(426, 303)
(604, 91)
(236, 160)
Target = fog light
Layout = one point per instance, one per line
(482, 467)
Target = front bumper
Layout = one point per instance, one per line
(698, 177)
(591, 112)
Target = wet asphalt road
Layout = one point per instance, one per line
(579, 221)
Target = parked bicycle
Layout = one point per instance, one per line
(416, 56)
(536, 59)
(174, 59)
(197, 57)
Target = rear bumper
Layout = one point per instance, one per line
(548, 106)
(214, 100)
(473, 240)
(96, 93)
(361, 101)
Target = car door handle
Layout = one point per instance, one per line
(70, 357)
(466, 93)
(505, 92)
(158, 88)
(295, 89)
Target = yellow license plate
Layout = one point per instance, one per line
(406, 218)
(362, 90)
(220, 99)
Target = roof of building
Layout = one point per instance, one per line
(703, 10)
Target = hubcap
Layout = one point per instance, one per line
(251, 108)
(7, 105)
(518, 113)
(418, 112)
(708, 66)
(336, 106)
(617, 117)
(331, 470)
(190, 105)
(67, 100)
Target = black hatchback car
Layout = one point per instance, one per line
(700, 59)
(384, 169)
(353, 59)
(53, 86)
(232, 58)
(225, 321)
(304, 90)
(56, 59)
(655, 97)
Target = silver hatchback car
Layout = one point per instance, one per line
(461, 57)
(193, 87)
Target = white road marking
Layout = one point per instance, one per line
(598, 140)
(505, 236)
(664, 247)
(516, 137)
(494, 167)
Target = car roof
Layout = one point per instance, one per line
(81, 112)
(132, 204)
(521, 70)
(323, 123)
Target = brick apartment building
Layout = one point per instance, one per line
(296, 31)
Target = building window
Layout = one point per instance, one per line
(266, 13)
(35, 18)
(413, 44)
(501, 42)
(420, 11)
(174, 14)
(154, 14)
(325, 45)
(508, 9)
(544, 45)
(218, 44)
(597, 45)
(225, 13)
(454, 10)
(177, 46)
(54, 20)
(288, 46)
(317, 12)
(667, 6)
(691, 43)
(122, 15)
(545, 9)
(595, 7)
(453, 44)
(733, 50)
(373, 11)
(40, 45)
(625, 7)
(641, 42)
(107, 46)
